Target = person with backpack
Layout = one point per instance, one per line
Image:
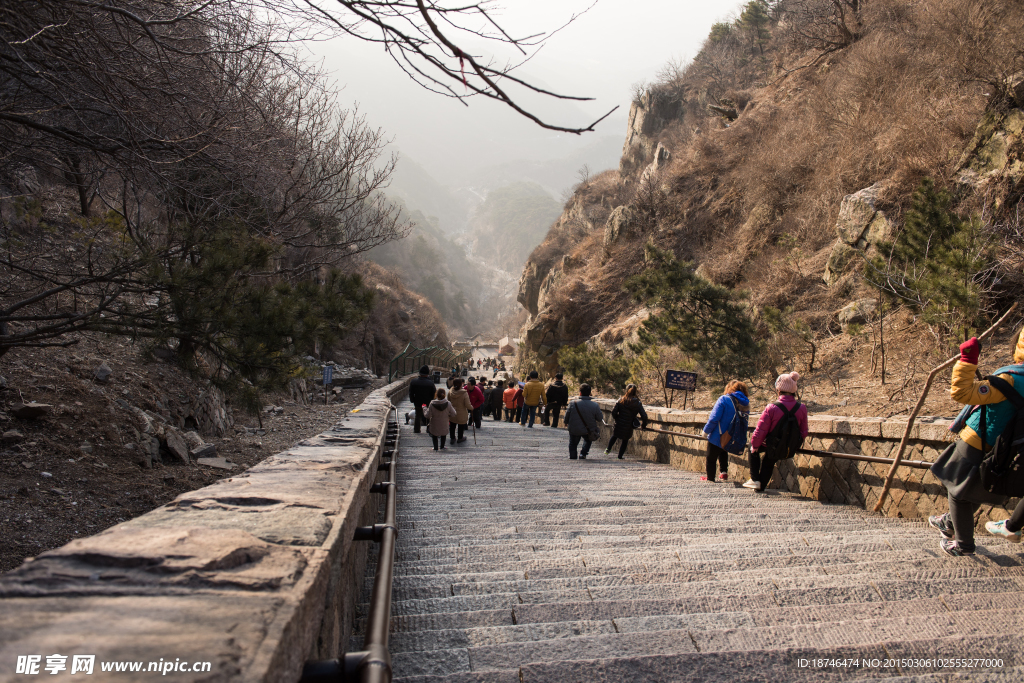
(440, 414)
(583, 419)
(726, 429)
(421, 392)
(991, 407)
(627, 412)
(780, 430)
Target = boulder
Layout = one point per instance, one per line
(102, 373)
(859, 312)
(206, 450)
(856, 213)
(176, 444)
(192, 439)
(619, 224)
(31, 410)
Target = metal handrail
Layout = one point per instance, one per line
(372, 664)
(918, 464)
(411, 357)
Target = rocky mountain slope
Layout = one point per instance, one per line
(777, 163)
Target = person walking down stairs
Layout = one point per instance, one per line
(497, 399)
(780, 430)
(557, 395)
(989, 410)
(476, 400)
(421, 392)
(628, 414)
(440, 413)
(533, 398)
(721, 425)
(583, 418)
(460, 399)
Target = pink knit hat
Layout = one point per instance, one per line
(787, 382)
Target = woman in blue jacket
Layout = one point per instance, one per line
(719, 422)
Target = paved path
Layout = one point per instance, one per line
(518, 564)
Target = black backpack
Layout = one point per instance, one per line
(784, 438)
(1002, 469)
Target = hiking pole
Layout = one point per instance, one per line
(920, 402)
(474, 431)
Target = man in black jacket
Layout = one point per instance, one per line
(557, 397)
(421, 392)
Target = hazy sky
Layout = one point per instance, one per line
(614, 44)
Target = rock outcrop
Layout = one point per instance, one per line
(997, 151)
(860, 226)
(647, 116)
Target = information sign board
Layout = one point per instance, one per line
(680, 381)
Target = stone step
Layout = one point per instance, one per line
(879, 617)
(778, 665)
(585, 603)
(435, 586)
(689, 530)
(674, 656)
(662, 615)
(616, 544)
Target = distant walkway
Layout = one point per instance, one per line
(517, 564)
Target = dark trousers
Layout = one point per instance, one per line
(574, 441)
(509, 412)
(421, 419)
(1016, 521)
(961, 514)
(477, 416)
(451, 431)
(497, 414)
(438, 439)
(622, 446)
(716, 455)
(552, 413)
(761, 469)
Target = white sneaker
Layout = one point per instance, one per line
(751, 484)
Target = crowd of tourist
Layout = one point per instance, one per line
(992, 406)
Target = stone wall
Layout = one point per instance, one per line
(914, 493)
(256, 574)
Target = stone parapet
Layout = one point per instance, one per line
(255, 574)
(915, 492)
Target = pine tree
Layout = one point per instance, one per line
(701, 318)
(938, 263)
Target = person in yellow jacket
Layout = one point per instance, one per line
(957, 466)
(533, 397)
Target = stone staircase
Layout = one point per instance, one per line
(517, 564)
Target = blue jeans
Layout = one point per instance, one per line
(574, 441)
(532, 411)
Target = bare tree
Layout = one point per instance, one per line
(823, 25)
